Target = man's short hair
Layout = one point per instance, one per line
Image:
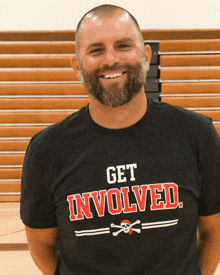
(108, 11)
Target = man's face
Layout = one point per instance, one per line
(112, 62)
(114, 94)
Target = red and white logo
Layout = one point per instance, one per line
(126, 226)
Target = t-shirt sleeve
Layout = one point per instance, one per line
(209, 164)
(36, 205)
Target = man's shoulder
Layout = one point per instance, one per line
(180, 121)
(179, 114)
(60, 131)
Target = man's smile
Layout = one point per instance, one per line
(112, 75)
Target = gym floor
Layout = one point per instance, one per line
(12, 260)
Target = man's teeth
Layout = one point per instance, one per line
(112, 75)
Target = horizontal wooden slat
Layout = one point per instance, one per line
(37, 48)
(10, 174)
(190, 88)
(42, 89)
(189, 60)
(193, 102)
(34, 61)
(16, 159)
(10, 186)
(43, 103)
(215, 115)
(66, 35)
(37, 35)
(14, 207)
(217, 127)
(189, 45)
(20, 131)
(33, 117)
(180, 34)
(38, 75)
(190, 73)
(10, 198)
(13, 145)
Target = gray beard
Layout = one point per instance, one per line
(115, 96)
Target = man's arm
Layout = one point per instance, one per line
(42, 244)
(209, 243)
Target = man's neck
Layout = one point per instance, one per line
(118, 117)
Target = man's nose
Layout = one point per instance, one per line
(111, 57)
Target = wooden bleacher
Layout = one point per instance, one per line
(190, 75)
(38, 86)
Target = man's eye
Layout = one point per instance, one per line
(124, 46)
(95, 51)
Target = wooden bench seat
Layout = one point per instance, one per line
(11, 174)
(189, 60)
(13, 145)
(194, 101)
(69, 35)
(10, 183)
(215, 115)
(37, 48)
(57, 74)
(189, 73)
(179, 34)
(27, 131)
(42, 89)
(34, 61)
(42, 103)
(217, 127)
(11, 186)
(190, 88)
(5, 199)
(33, 117)
(11, 159)
(199, 45)
(10, 198)
(37, 35)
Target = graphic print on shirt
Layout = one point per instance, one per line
(163, 196)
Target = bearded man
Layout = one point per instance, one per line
(123, 184)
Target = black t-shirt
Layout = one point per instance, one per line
(125, 201)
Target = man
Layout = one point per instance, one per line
(124, 183)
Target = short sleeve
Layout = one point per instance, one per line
(37, 209)
(209, 163)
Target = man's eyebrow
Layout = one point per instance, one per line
(94, 45)
(99, 44)
(124, 40)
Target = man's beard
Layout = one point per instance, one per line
(113, 95)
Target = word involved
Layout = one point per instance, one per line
(163, 196)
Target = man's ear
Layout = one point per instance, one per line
(148, 55)
(76, 66)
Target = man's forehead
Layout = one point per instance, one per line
(94, 26)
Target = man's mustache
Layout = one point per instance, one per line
(107, 68)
